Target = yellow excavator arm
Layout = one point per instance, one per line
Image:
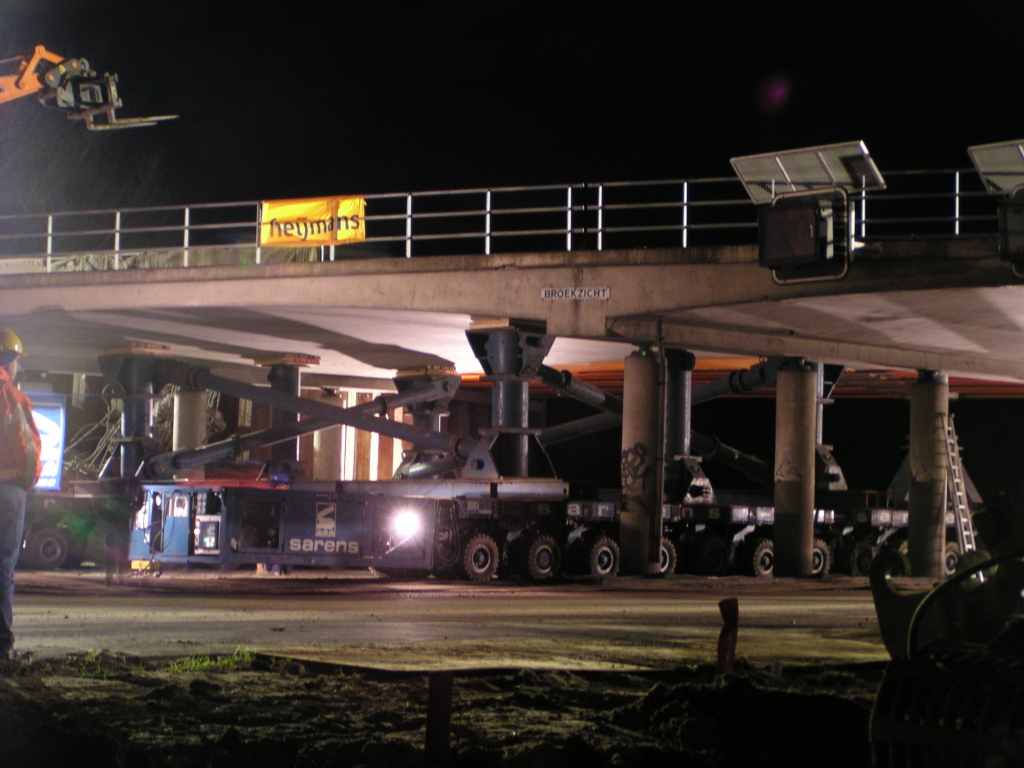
(70, 85)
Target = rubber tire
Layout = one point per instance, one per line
(952, 557)
(761, 559)
(711, 556)
(480, 558)
(861, 556)
(603, 557)
(46, 549)
(669, 557)
(821, 559)
(106, 545)
(541, 558)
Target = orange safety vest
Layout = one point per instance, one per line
(20, 446)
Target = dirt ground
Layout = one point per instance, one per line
(326, 670)
(105, 710)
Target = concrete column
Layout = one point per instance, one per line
(327, 445)
(796, 414)
(640, 527)
(190, 407)
(678, 408)
(926, 527)
(189, 426)
(284, 378)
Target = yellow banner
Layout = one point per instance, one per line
(314, 221)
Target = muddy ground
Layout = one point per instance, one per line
(101, 710)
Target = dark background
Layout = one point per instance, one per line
(305, 99)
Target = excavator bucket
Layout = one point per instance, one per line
(952, 694)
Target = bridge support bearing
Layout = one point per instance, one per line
(511, 357)
(642, 477)
(189, 428)
(926, 525)
(796, 416)
(327, 443)
(284, 377)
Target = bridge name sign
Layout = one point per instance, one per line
(576, 294)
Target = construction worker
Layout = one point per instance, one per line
(20, 468)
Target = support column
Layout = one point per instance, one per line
(926, 526)
(190, 407)
(678, 408)
(327, 443)
(284, 378)
(189, 426)
(796, 416)
(136, 413)
(642, 445)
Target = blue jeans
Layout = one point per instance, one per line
(12, 528)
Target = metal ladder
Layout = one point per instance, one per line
(956, 491)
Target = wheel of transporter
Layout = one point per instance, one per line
(711, 556)
(542, 558)
(480, 558)
(761, 559)
(669, 557)
(952, 558)
(861, 555)
(603, 557)
(821, 558)
(46, 549)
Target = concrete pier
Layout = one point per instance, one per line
(926, 527)
(796, 417)
(640, 528)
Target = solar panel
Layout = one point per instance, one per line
(848, 166)
(1001, 165)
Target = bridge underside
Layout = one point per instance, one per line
(368, 318)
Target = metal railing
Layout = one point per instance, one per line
(616, 215)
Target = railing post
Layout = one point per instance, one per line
(863, 208)
(408, 226)
(117, 240)
(184, 261)
(259, 232)
(568, 219)
(686, 213)
(49, 243)
(600, 217)
(956, 202)
(487, 223)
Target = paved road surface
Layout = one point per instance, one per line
(352, 619)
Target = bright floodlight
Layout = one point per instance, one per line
(844, 166)
(406, 524)
(1001, 165)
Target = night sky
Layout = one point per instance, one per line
(303, 99)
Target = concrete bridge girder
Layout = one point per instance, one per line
(714, 299)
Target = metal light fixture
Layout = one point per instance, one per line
(1001, 167)
(805, 218)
